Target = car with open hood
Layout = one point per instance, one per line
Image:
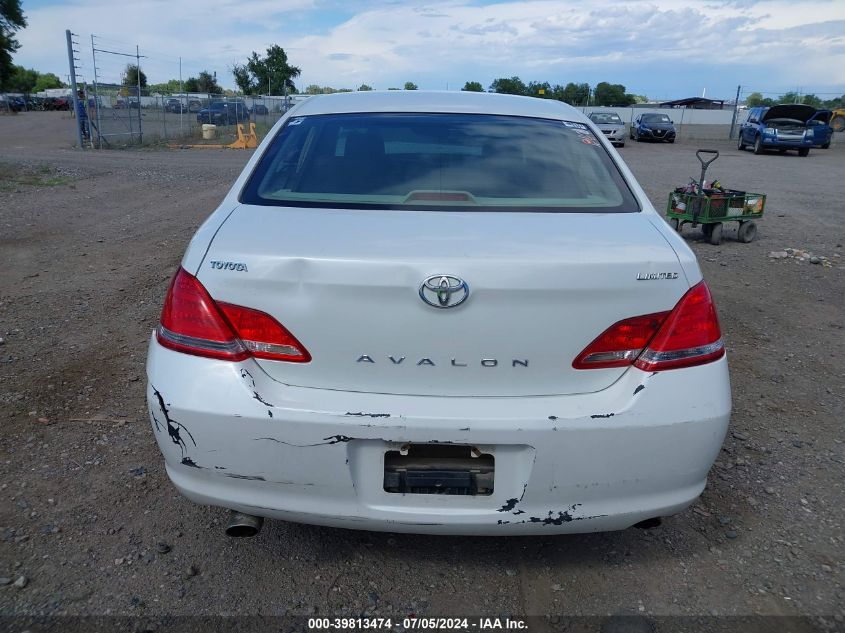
(438, 312)
(611, 125)
(782, 127)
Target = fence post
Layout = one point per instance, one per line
(70, 60)
(736, 108)
(138, 75)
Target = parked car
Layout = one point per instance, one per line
(13, 103)
(57, 103)
(653, 127)
(611, 126)
(783, 127)
(175, 105)
(35, 103)
(224, 112)
(259, 108)
(127, 103)
(444, 312)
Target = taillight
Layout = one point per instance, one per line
(263, 336)
(688, 335)
(191, 322)
(621, 343)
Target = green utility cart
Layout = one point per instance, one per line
(712, 208)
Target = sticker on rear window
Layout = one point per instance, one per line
(296, 121)
(579, 126)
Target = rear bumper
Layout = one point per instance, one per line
(235, 438)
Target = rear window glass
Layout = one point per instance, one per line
(430, 161)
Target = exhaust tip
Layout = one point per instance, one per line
(648, 523)
(242, 525)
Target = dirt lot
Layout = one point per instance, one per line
(93, 526)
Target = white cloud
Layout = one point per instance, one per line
(649, 45)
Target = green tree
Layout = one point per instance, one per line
(314, 89)
(272, 73)
(473, 86)
(130, 76)
(835, 103)
(243, 79)
(11, 21)
(542, 90)
(47, 81)
(204, 82)
(811, 100)
(364, 88)
(21, 79)
(509, 86)
(756, 99)
(575, 94)
(168, 87)
(410, 85)
(612, 95)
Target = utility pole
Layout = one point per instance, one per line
(736, 108)
(72, 63)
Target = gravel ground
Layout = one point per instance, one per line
(90, 525)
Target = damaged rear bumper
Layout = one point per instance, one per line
(233, 437)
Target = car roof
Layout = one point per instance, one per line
(440, 102)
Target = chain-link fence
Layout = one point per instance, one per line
(118, 118)
(117, 107)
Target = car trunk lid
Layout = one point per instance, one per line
(347, 283)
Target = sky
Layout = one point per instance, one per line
(659, 48)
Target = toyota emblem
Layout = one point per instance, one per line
(444, 291)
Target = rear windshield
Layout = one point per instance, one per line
(434, 161)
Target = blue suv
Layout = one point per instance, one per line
(783, 127)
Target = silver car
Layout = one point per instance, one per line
(611, 126)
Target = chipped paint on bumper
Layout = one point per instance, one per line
(580, 463)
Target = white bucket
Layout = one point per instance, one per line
(209, 131)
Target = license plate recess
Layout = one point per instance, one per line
(439, 469)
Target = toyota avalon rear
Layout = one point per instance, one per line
(438, 312)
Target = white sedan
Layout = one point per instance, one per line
(451, 313)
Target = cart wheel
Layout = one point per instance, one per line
(707, 229)
(747, 231)
(715, 237)
(675, 223)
